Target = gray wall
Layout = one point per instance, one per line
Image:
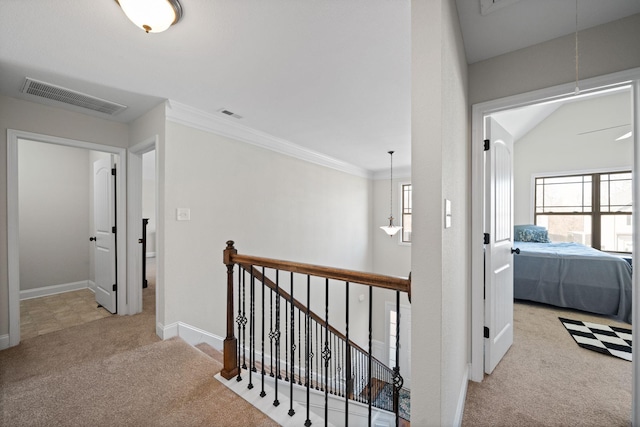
(54, 214)
(603, 50)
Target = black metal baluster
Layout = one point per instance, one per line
(326, 353)
(307, 423)
(318, 340)
(244, 325)
(271, 332)
(262, 392)
(293, 351)
(397, 378)
(251, 329)
(347, 359)
(276, 402)
(239, 320)
(286, 340)
(299, 352)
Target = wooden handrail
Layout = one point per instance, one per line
(401, 284)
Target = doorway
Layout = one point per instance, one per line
(630, 79)
(13, 217)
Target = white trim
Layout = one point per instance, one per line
(13, 240)
(91, 285)
(189, 116)
(150, 254)
(457, 421)
(479, 111)
(190, 334)
(4, 341)
(635, 375)
(53, 290)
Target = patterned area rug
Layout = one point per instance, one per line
(385, 400)
(604, 339)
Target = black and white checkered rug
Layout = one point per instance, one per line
(601, 338)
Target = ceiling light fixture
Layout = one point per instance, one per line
(153, 16)
(577, 91)
(391, 229)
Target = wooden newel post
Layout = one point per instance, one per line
(230, 348)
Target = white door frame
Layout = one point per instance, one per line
(479, 111)
(134, 215)
(13, 238)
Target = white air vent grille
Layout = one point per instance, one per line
(229, 113)
(68, 96)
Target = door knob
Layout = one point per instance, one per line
(516, 250)
(93, 239)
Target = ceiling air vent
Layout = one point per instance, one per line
(229, 113)
(68, 96)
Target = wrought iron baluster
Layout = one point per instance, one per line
(397, 378)
(326, 353)
(300, 351)
(252, 329)
(271, 332)
(307, 423)
(239, 321)
(293, 351)
(276, 402)
(244, 325)
(286, 340)
(318, 340)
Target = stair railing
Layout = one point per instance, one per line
(316, 354)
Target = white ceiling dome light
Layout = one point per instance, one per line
(153, 16)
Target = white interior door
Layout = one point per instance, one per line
(104, 220)
(498, 256)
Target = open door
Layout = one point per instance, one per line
(105, 233)
(498, 331)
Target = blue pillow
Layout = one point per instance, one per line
(530, 233)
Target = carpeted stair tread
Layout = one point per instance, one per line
(211, 352)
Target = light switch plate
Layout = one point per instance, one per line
(183, 214)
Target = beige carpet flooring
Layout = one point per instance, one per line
(116, 371)
(546, 379)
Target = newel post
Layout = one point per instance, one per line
(230, 348)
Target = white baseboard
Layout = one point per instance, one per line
(4, 341)
(53, 289)
(462, 397)
(190, 334)
(92, 286)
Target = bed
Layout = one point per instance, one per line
(572, 275)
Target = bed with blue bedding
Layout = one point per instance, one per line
(574, 276)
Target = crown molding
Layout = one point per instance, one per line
(189, 116)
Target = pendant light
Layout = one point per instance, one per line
(153, 16)
(391, 229)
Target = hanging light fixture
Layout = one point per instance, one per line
(153, 16)
(391, 229)
(577, 90)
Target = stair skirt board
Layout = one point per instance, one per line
(358, 412)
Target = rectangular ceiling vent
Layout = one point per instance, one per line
(230, 113)
(68, 96)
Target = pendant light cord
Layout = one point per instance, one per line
(577, 66)
(391, 189)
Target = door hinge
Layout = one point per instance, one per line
(113, 171)
(115, 288)
(487, 144)
(487, 238)
(486, 332)
(113, 230)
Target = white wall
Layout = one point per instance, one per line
(32, 117)
(579, 136)
(270, 204)
(440, 259)
(54, 214)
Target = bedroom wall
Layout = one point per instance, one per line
(603, 50)
(440, 258)
(579, 136)
(54, 214)
(32, 117)
(271, 205)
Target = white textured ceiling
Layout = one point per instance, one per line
(332, 76)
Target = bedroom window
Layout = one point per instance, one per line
(406, 213)
(592, 209)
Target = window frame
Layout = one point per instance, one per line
(595, 214)
(401, 186)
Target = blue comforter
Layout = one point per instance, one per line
(574, 276)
